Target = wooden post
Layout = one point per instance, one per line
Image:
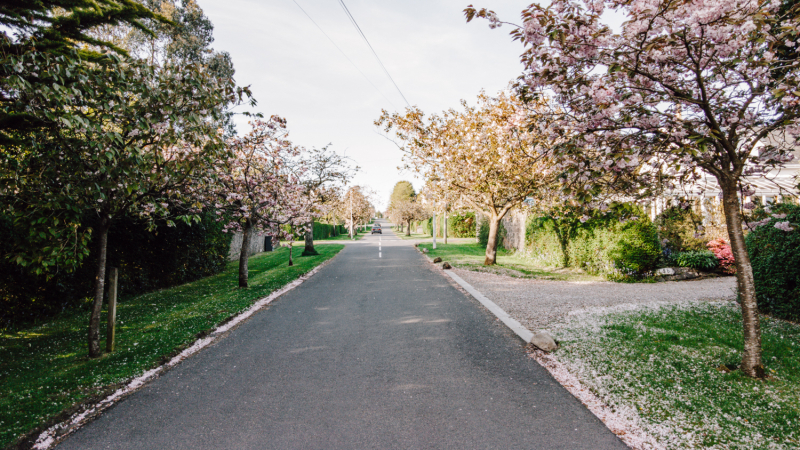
(112, 309)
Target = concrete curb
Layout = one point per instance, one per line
(629, 431)
(524, 333)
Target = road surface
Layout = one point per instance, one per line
(376, 351)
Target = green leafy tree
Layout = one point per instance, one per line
(126, 139)
(56, 27)
(403, 191)
(326, 172)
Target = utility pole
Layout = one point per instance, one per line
(351, 213)
(434, 223)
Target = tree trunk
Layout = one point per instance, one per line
(244, 253)
(291, 247)
(309, 249)
(751, 358)
(491, 244)
(99, 288)
(408, 229)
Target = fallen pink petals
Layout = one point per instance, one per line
(626, 429)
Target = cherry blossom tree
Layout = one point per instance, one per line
(354, 208)
(493, 156)
(685, 88)
(126, 140)
(325, 172)
(405, 211)
(260, 189)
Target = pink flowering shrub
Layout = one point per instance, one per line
(722, 250)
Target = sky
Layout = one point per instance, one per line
(434, 56)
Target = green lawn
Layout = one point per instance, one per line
(45, 370)
(470, 255)
(672, 365)
(415, 236)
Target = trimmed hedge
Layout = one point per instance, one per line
(775, 257)
(325, 231)
(147, 260)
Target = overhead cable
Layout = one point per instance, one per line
(343, 53)
(355, 24)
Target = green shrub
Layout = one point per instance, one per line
(629, 249)
(325, 231)
(775, 257)
(147, 260)
(678, 227)
(483, 234)
(542, 243)
(700, 260)
(461, 224)
(604, 246)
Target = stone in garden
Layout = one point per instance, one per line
(446, 265)
(666, 271)
(437, 260)
(543, 341)
(424, 250)
(677, 274)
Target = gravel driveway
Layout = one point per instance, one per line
(538, 304)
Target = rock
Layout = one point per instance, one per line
(676, 274)
(446, 265)
(424, 250)
(543, 341)
(437, 260)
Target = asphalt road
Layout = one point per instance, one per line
(376, 351)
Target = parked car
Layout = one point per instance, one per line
(376, 229)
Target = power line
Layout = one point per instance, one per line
(353, 20)
(344, 54)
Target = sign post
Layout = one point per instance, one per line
(112, 309)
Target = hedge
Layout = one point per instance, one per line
(609, 247)
(325, 231)
(147, 260)
(775, 257)
(483, 234)
(460, 224)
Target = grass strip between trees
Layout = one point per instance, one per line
(672, 366)
(45, 370)
(470, 256)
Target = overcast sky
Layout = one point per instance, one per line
(433, 55)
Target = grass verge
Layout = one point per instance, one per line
(470, 255)
(45, 370)
(414, 236)
(670, 366)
